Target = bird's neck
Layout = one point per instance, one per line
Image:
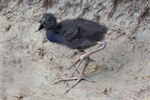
(53, 37)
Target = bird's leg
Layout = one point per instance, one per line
(71, 78)
(75, 69)
(81, 76)
(78, 62)
(86, 57)
(102, 45)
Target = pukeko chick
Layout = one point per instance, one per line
(76, 34)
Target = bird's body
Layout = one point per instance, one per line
(81, 33)
(74, 33)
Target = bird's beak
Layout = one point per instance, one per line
(41, 27)
(41, 24)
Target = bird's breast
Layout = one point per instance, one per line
(53, 37)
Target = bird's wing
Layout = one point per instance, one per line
(69, 29)
(71, 33)
(79, 28)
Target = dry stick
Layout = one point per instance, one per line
(143, 13)
(20, 97)
(35, 2)
(8, 39)
(36, 20)
(134, 97)
(112, 10)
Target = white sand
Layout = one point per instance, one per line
(28, 65)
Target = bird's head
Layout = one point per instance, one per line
(48, 21)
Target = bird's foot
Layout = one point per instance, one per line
(78, 79)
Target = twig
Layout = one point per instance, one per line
(134, 97)
(143, 13)
(20, 97)
(8, 39)
(112, 9)
(36, 20)
(35, 2)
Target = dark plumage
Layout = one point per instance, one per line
(77, 34)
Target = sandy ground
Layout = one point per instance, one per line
(29, 63)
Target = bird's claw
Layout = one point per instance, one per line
(78, 79)
(64, 79)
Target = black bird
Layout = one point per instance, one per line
(76, 34)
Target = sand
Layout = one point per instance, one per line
(29, 63)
